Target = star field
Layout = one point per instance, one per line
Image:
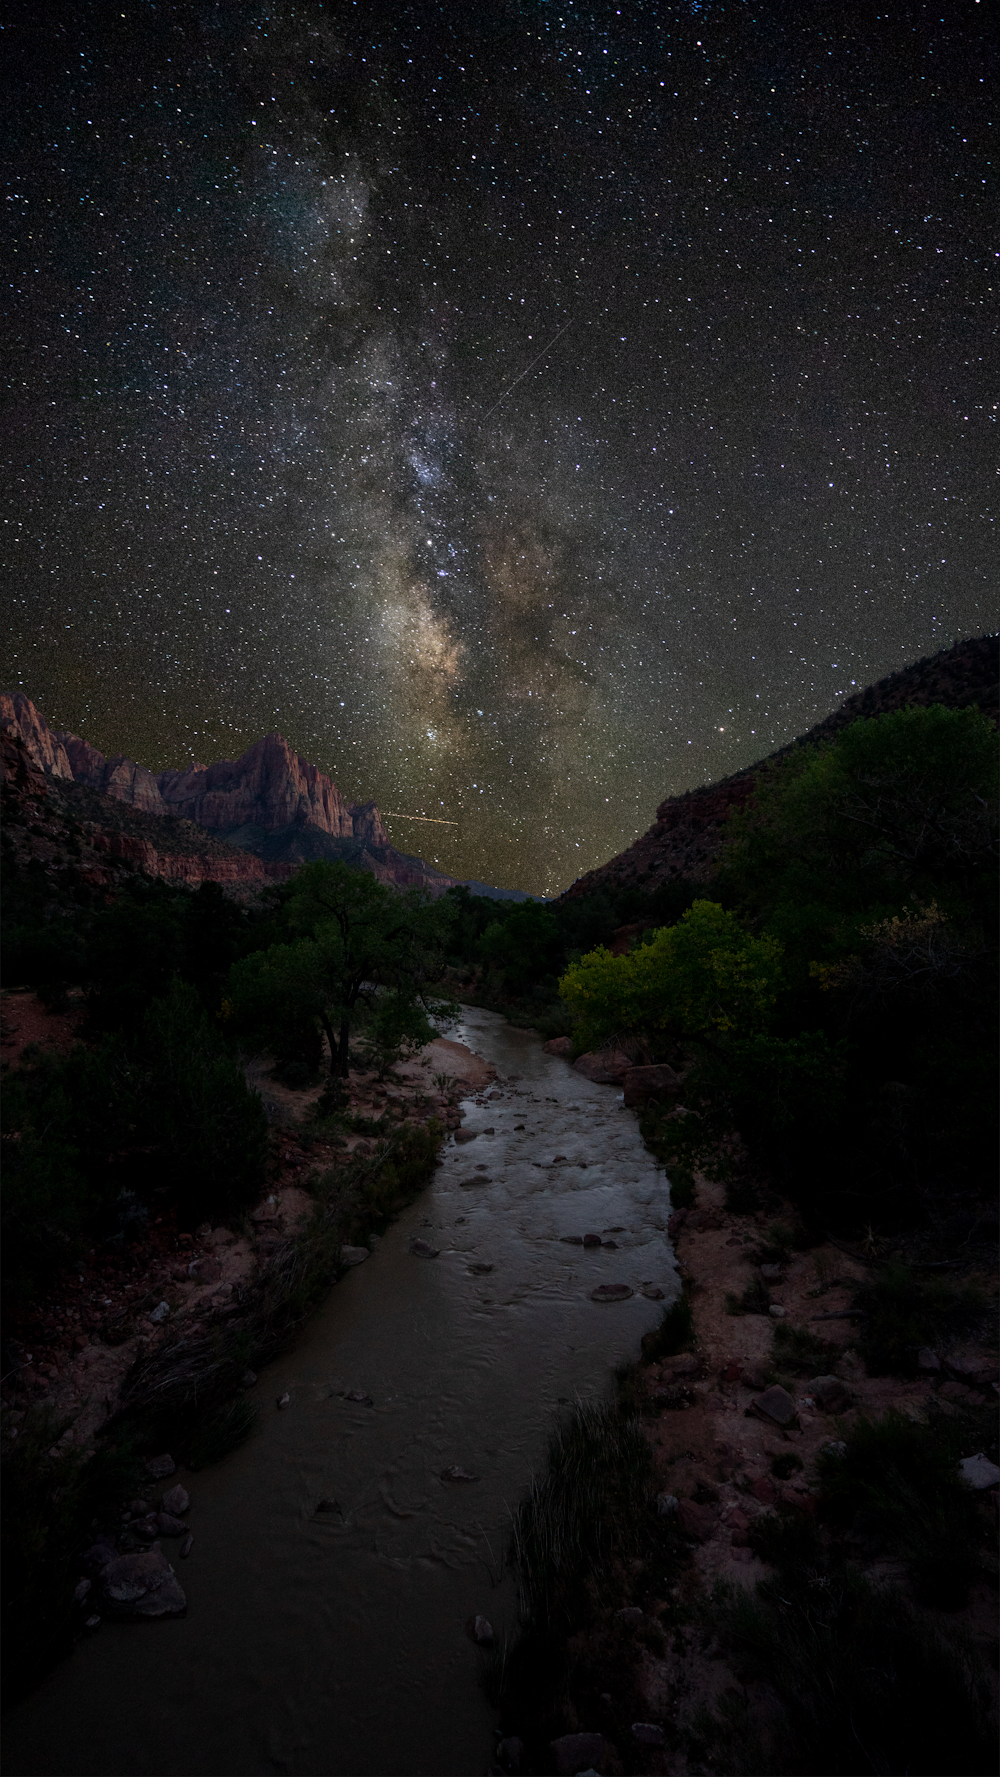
(530, 410)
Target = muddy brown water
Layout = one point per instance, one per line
(333, 1642)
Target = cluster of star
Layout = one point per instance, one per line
(529, 413)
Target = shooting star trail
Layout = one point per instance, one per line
(531, 366)
(432, 819)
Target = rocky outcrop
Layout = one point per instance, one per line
(269, 786)
(18, 716)
(686, 837)
(240, 866)
(270, 806)
(118, 777)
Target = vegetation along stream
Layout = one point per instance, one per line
(336, 1569)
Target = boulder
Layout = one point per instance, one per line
(207, 1270)
(699, 1219)
(354, 1255)
(558, 1046)
(829, 1394)
(463, 1135)
(979, 1472)
(611, 1292)
(421, 1250)
(168, 1525)
(159, 1467)
(695, 1520)
(683, 1363)
(972, 1367)
(513, 1755)
(578, 1752)
(142, 1585)
(480, 1630)
(606, 1067)
(176, 1501)
(642, 1083)
(647, 1733)
(775, 1405)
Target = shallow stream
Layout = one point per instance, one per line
(333, 1642)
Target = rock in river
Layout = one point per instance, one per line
(455, 1473)
(463, 1135)
(176, 1501)
(354, 1255)
(421, 1250)
(611, 1292)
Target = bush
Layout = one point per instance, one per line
(207, 1126)
(900, 1483)
(846, 1679)
(904, 1312)
(797, 1352)
(707, 975)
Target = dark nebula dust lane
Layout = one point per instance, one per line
(530, 410)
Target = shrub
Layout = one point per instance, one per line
(798, 1352)
(208, 1127)
(902, 1482)
(755, 1299)
(846, 1679)
(904, 1312)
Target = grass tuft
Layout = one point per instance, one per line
(674, 1334)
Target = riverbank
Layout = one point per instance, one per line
(342, 1551)
(753, 1407)
(146, 1349)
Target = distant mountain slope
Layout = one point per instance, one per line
(91, 840)
(687, 833)
(270, 803)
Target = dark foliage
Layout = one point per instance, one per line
(846, 1678)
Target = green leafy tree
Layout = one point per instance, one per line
(397, 1026)
(704, 978)
(899, 810)
(527, 945)
(357, 937)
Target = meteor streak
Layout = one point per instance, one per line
(433, 819)
(531, 366)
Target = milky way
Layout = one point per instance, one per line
(278, 273)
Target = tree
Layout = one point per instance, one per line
(358, 937)
(526, 944)
(898, 810)
(702, 978)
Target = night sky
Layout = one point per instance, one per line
(274, 272)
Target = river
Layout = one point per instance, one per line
(333, 1641)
